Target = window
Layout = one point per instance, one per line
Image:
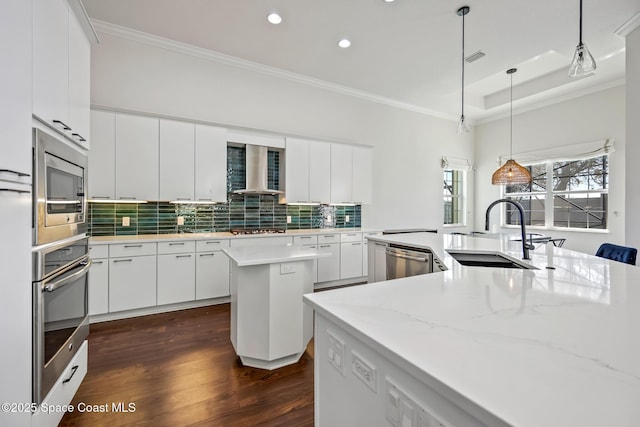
(454, 197)
(563, 194)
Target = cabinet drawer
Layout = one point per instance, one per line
(64, 389)
(176, 247)
(371, 233)
(350, 237)
(305, 240)
(211, 245)
(132, 249)
(329, 238)
(99, 251)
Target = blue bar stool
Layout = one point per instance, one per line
(617, 253)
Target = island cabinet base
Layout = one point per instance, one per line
(270, 325)
(358, 383)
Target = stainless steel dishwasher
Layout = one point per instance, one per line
(404, 261)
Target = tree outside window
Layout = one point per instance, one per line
(563, 194)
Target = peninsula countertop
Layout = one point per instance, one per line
(557, 346)
(246, 256)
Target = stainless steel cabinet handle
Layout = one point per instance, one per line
(79, 137)
(73, 372)
(97, 262)
(14, 172)
(60, 122)
(356, 244)
(15, 191)
(132, 246)
(183, 256)
(329, 235)
(305, 237)
(207, 254)
(123, 260)
(412, 258)
(176, 244)
(101, 197)
(126, 198)
(217, 242)
(325, 246)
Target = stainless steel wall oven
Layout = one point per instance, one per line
(60, 186)
(60, 308)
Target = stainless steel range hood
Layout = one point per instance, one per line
(257, 171)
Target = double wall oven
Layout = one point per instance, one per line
(60, 258)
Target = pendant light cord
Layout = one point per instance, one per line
(580, 23)
(511, 119)
(462, 114)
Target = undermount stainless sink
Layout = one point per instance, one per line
(488, 259)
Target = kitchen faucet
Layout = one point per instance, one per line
(525, 245)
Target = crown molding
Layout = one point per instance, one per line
(629, 26)
(187, 49)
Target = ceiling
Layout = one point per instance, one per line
(407, 52)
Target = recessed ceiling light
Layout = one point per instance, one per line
(388, 1)
(344, 43)
(274, 18)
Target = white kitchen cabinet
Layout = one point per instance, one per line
(99, 286)
(79, 83)
(341, 173)
(212, 275)
(243, 242)
(211, 163)
(297, 170)
(51, 61)
(377, 262)
(365, 250)
(132, 282)
(319, 172)
(136, 157)
(102, 170)
(350, 260)
(362, 175)
(61, 69)
(176, 278)
(329, 267)
(177, 155)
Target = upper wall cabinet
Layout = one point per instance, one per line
(341, 173)
(177, 151)
(61, 69)
(102, 170)
(136, 157)
(307, 171)
(211, 164)
(362, 175)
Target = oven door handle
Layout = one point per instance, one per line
(53, 286)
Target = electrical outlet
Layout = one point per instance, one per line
(346, 218)
(288, 219)
(336, 352)
(363, 370)
(180, 220)
(329, 218)
(126, 221)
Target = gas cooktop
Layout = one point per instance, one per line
(242, 231)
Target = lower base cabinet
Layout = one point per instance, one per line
(176, 278)
(212, 275)
(99, 287)
(132, 283)
(350, 260)
(329, 267)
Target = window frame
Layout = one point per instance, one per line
(549, 196)
(461, 197)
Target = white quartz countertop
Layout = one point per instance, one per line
(272, 254)
(103, 240)
(545, 347)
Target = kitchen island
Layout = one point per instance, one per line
(270, 326)
(557, 345)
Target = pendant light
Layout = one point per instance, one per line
(583, 63)
(511, 172)
(462, 124)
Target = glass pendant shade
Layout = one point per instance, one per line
(462, 125)
(583, 62)
(511, 173)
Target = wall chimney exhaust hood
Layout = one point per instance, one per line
(257, 171)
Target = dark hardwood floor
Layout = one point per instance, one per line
(180, 369)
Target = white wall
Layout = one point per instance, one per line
(633, 136)
(139, 77)
(588, 118)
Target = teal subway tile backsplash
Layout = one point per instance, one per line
(240, 211)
